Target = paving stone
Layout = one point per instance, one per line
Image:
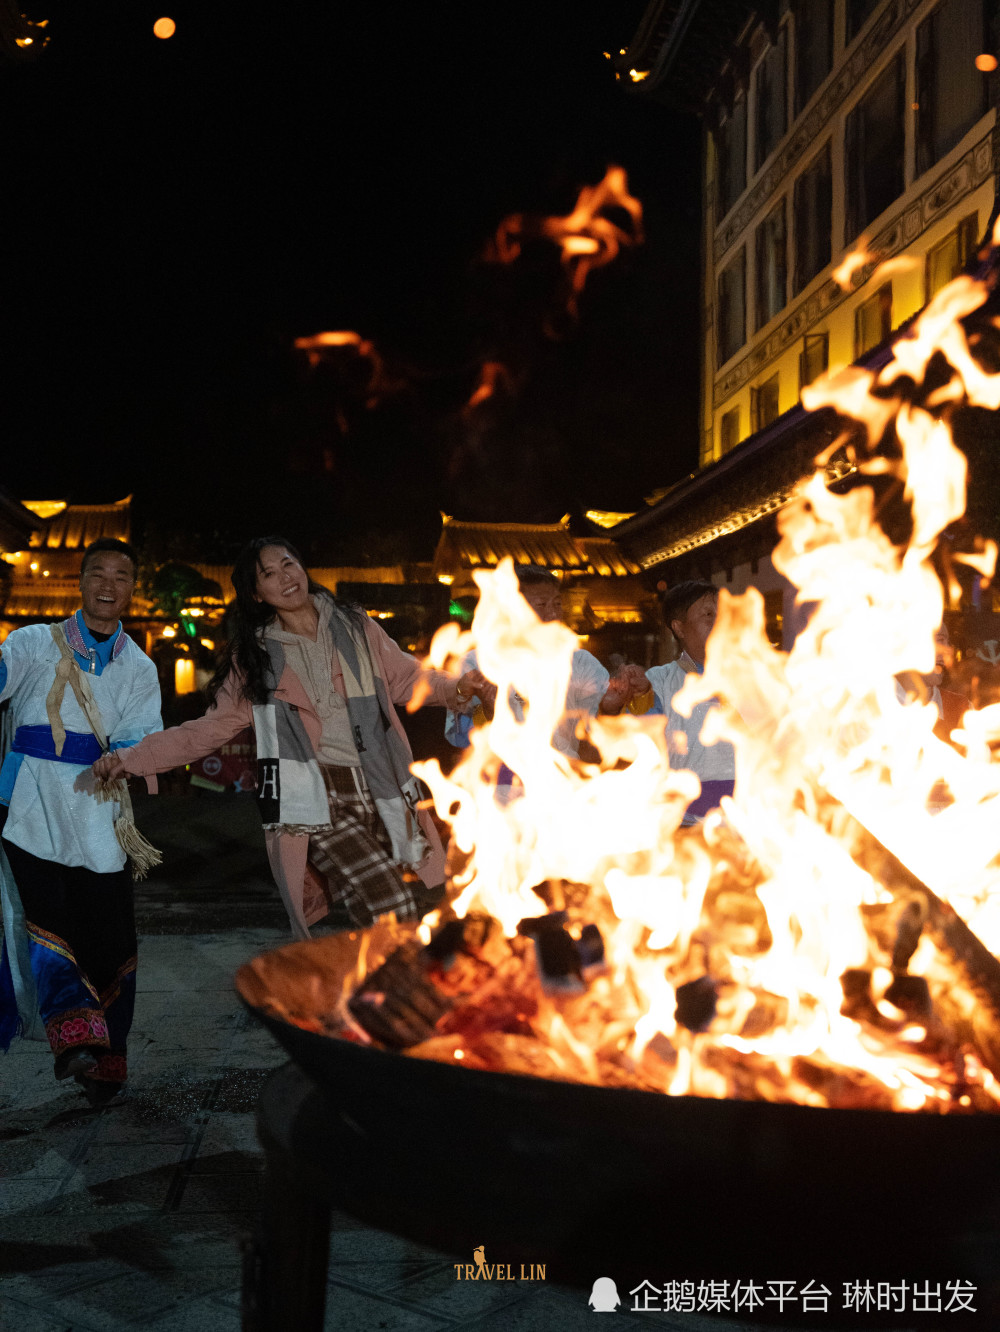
(227, 1163)
(213, 1193)
(382, 1274)
(555, 1309)
(34, 1157)
(352, 1242)
(240, 1088)
(205, 1315)
(135, 1296)
(17, 1195)
(228, 1130)
(18, 1317)
(136, 1122)
(348, 1307)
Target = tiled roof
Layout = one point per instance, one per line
(80, 524)
(684, 44)
(16, 523)
(749, 483)
(467, 546)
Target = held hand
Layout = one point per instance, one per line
(637, 678)
(108, 767)
(475, 683)
(630, 682)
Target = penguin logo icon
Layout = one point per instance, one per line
(604, 1296)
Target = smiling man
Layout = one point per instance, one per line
(69, 925)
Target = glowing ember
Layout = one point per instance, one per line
(823, 938)
(340, 341)
(494, 377)
(587, 237)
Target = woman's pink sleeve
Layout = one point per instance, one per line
(192, 740)
(401, 672)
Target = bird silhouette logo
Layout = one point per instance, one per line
(480, 1255)
(604, 1296)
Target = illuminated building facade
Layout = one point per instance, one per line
(830, 126)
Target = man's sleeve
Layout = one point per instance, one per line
(142, 716)
(457, 725)
(13, 661)
(588, 683)
(657, 677)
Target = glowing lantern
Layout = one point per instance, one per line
(164, 27)
(986, 63)
(184, 676)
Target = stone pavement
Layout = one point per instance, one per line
(133, 1215)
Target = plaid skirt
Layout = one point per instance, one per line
(354, 856)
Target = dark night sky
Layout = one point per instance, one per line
(177, 212)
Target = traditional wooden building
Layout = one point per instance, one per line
(46, 567)
(605, 599)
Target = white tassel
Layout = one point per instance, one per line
(142, 854)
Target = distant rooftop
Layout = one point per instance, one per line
(466, 545)
(681, 46)
(74, 526)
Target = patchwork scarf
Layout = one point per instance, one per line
(290, 788)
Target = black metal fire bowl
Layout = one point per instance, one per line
(595, 1180)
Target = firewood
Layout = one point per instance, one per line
(401, 1002)
(562, 959)
(978, 970)
(696, 1003)
(397, 1004)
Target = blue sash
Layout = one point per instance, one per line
(81, 748)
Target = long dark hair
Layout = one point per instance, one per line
(244, 654)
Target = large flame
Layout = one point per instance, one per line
(768, 906)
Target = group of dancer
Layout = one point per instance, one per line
(348, 836)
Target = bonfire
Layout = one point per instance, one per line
(826, 937)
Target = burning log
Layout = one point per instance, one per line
(564, 962)
(401, 1002)
(924, 913)
(696, 1003)
(398, 1004)
(457, 981)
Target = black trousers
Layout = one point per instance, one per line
(82, 944)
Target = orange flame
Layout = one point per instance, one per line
(587, 238)
(321, 345)
(494, 377)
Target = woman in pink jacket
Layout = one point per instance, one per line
(318, 681)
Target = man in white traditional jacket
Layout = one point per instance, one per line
(689, 610)
(69, 923)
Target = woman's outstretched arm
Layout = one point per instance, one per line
(181, 744)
